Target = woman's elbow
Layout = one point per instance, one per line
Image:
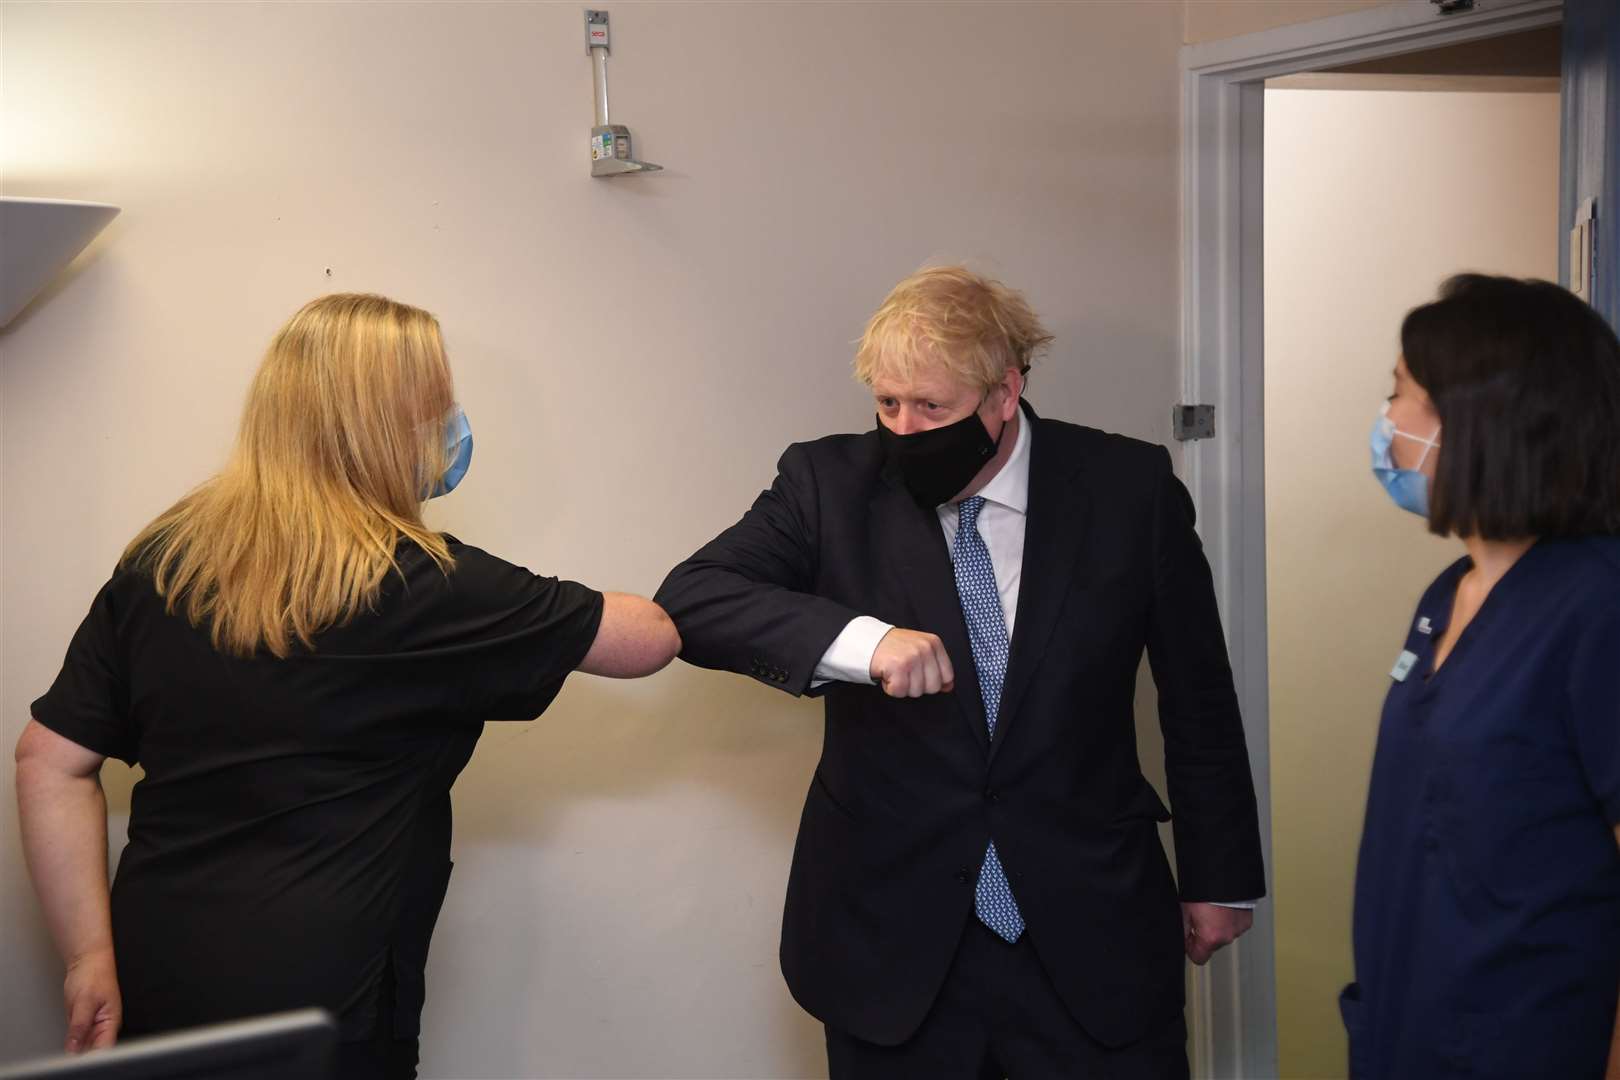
(655, 644)
(636, 638)
(666, 644)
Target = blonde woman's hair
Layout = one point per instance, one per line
(342, 434)
(947, 315)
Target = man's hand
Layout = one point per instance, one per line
(909, 663)
(1210, 927)
(94, 1007)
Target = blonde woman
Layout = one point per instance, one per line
(302, 668)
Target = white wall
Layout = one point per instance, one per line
(1208, 20)
(633, 354)
(1372, 199)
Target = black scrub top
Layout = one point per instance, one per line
(289, 844)
(1487, 905)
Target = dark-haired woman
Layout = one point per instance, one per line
(1487, 911)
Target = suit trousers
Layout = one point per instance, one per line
(998, 1017)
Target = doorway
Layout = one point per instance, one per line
(1381, 180)
(1233, 1001)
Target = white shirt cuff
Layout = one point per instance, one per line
(849, 657)
(1245, 905)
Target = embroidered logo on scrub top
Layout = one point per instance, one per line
(1403, 666)
(1424, 626)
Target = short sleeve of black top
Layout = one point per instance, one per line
(289, 843)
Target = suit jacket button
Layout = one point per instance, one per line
(992, 795)
(964, 876)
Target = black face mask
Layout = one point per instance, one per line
(937, 463)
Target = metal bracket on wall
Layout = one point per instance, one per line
(611, 153)
(1191, 422)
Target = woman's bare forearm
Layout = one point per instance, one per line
(64, 836)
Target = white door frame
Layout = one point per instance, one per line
(1233, 1000)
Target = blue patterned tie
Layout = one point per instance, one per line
(987, 635)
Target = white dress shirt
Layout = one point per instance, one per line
(1001, 524)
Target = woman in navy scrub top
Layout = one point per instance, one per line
(302, 668)
(1487, 908)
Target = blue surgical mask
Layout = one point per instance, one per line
(1408, 487)
(458, 447)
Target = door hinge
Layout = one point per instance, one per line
(1189, 422)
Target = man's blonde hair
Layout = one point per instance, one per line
(342, 435)
(973, 326)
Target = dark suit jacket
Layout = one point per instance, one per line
(908, 793)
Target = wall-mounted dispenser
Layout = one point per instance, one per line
(38, 238)
(611, 153)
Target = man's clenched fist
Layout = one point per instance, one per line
(909, 663)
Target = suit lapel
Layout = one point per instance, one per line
(1056, 529)
(915, 544)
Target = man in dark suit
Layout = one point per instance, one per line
(978, 888)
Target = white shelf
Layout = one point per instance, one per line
(38, 238)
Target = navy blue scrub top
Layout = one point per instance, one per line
(1487, 907)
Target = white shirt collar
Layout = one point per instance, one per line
(1010, 486)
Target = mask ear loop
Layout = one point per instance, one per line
(1004, 423)
(1429, 444)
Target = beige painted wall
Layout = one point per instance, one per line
(1208, 20)
(633, 354)
(1372, 199)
